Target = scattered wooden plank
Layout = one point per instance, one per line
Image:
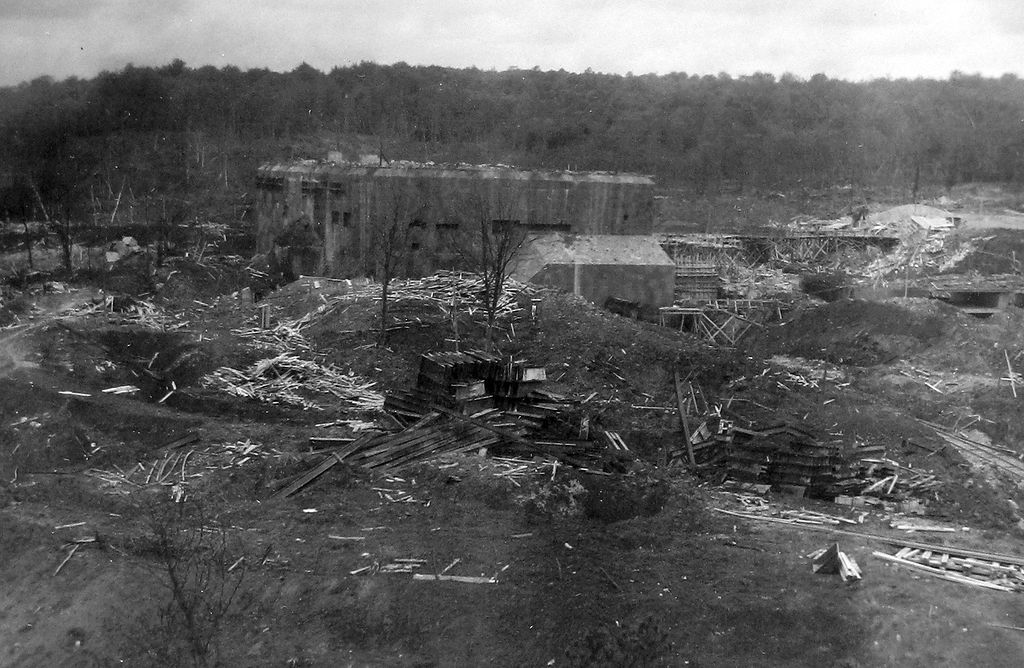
(321, 468)
(469, 579)
(955, 551)
(71, 553)
(184, 439)
(1003, 626)
(892, 540)
(848, 568)
(831, 561)
(1009, 369)
(329, 441)
(940, 573)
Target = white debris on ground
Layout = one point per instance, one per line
(278, 380)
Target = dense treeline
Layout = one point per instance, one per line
(176, 133)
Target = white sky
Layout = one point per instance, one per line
(851, 39)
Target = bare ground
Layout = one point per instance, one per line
(591, 570)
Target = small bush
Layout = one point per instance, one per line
(202, 570)
(640, 642)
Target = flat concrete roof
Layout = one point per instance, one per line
(326, 171)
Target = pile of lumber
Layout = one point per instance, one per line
(280, 379)
(283, 337)
(430, 437)
(474, 380)
(446, 289)
(708, 442)
(980, 569)
(832, 561)
(790, 456)
(148, 315)
(469, 401)
(889, 480)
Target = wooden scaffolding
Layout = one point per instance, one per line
(722, 322)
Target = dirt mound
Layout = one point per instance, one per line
(588, 352)
(858, 332)
(977, 345)
(995, 252)
(899, 220)
(182, 279)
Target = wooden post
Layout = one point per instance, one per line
(682, 419)
(1009, 370)
(264, 316)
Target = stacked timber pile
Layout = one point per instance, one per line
(472, 401)
(789, 456)
(472, 381)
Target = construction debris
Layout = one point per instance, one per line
(831, 561)
(963, 570)
(279, 380)
(121, 389)
(981, 454)
(175, 467)
(468, 401)
(455, 578)
(475, 380)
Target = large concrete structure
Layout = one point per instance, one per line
(329, 214)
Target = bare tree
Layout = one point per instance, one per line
(203, 570)
(397, 208)
(493, 234)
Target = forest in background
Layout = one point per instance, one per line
(173, 143)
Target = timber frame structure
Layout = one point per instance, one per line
(728, 250)
(722, 322)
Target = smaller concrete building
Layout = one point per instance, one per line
(632, 268)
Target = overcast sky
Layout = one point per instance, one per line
(851, 39)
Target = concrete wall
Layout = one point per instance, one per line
(344, 205)
(646, 285)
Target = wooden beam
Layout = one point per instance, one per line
(682, 419)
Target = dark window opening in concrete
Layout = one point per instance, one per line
(979, 304)
(417, 222)
(319, 212)
(447, 225)
(335, 217)
(346, 219)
